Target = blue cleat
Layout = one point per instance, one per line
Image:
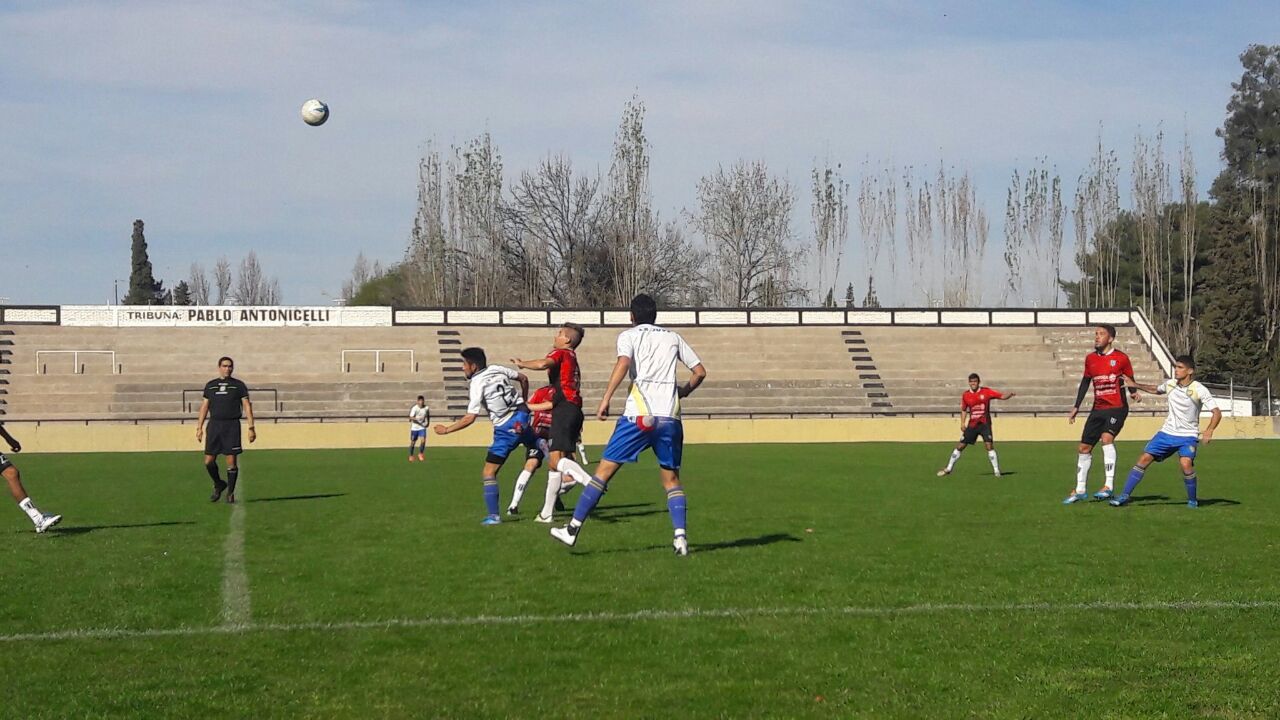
(1075, 498)
(1119, 501)
(1193, 503)
(491, 520)
(1103, 494)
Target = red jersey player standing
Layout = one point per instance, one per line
(565, 377)
(975, 422)
(1103, 369)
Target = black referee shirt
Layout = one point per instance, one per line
(224, 397)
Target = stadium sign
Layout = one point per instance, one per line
(222, 316)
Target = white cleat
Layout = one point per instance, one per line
(547, 520)
(681, 545)
(47, 522)
(944, 472)
(563, 535)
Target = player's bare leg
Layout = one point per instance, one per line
(41, 521)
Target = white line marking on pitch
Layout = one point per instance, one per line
(642, 616)
(236, 614)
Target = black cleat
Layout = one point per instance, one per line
(559, 505)
(231, 498)
(218, 487)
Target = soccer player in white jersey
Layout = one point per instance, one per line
(419, 417)
(14, 478)
(492, 391)
(647, 354)
(1181, 430)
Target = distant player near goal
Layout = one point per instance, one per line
(226, 399)
(975, 422)
(1180, 433)
(14, 479)
(1103, 368)
(419, 418)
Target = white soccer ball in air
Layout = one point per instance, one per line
(314, 112)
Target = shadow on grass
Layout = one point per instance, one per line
(750, 542)
(282, 498)
(82, 529)
(1164, 500)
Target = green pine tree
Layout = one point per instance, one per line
(143, 288)
(182, 293)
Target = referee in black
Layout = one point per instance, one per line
(225, 398)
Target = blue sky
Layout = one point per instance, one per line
(186, 114)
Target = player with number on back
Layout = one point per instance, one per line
(492, 391)
(1180, 433)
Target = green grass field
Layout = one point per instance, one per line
(825, 581)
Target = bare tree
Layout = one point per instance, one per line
(553, 215)
(222, 281)
(1034, 218)
(361, 273)
(830, 215)
(252, 285)
(430, 267)
(1150, 213)
(1262, 203)
(477, 220)
(922, 253)
(1097, 207)
(745, 217)
(199, 283)
(964, 228)
(877, 223)
(1183, 334)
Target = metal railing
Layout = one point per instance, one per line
(378, 366)
(76, 367)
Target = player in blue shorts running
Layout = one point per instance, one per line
(1178, 435)
(492, 391)
(648, 354)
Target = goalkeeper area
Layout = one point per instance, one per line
(839, 580)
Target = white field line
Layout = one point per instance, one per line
(236, 614)
(646, 616)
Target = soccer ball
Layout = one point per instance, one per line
(314, 112)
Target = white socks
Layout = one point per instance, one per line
(521, 483)
(573, 470)
(1083, 463)
(30, 509)
(1109, 463)
(955, 455)
(995, 462)
(554, 481)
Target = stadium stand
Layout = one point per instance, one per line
(299, 373)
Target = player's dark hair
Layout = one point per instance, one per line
(1111, 329)
(421, 398)
(1187, 360)
(644, 309)
(223, 359)
(579, 330)
(475, 356)
(974, 376)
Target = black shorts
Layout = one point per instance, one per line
(973, 432)
(566, 428)
(4, 463)
(222, 437)
(1109, 420)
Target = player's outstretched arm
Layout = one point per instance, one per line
(539, 364)
(461, 423)
(615, 379)
(1134, 385)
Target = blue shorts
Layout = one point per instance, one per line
(517, 430)
(419, 434)
(634, 435)
(1164, 445)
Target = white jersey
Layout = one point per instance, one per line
(492, 390)
(653, 352)
(1185, 404)
(418, 417)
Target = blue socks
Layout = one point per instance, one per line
(1135, 477)
(591, 495)
(1189, 479)
(676, 506)
(491, 495)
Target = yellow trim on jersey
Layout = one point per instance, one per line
(642, 407)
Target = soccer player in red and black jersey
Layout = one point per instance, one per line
(565, 377)
(975, 422)
(1103, 369)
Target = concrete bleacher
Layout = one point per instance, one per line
(297, 372)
